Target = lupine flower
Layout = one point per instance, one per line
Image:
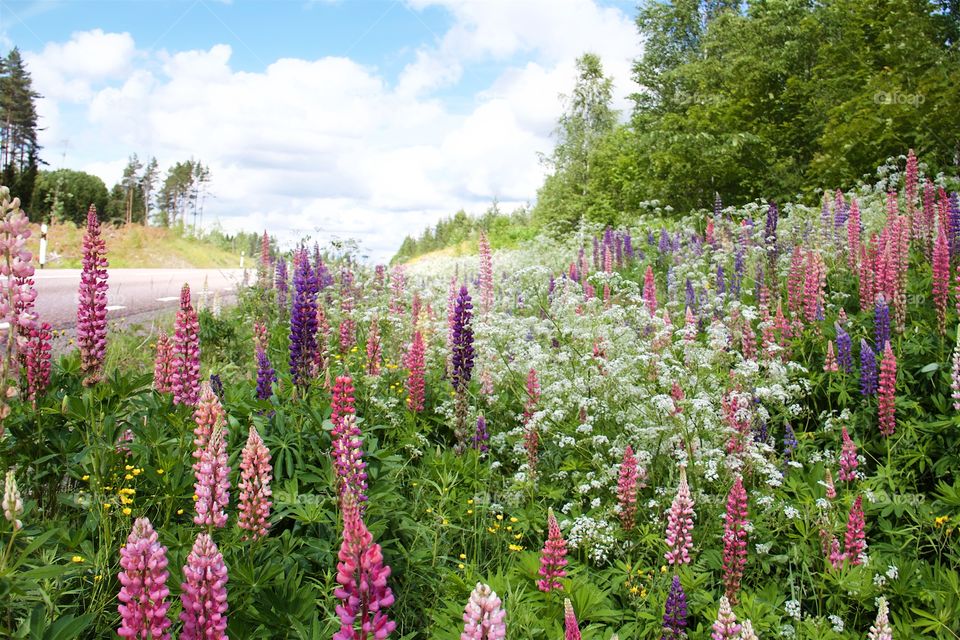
(163, 364)
(461, 361)
(208, 414)
(650, 290)
(854, 541)
(486, 274)
(12, 502)
(373, 348)
(887, 392)
(212, 483)
(830, 362)
(553, 557)
(868, 369)
(735, 539)
(747, 632)
(143, 579)
(881, 322)
(266, 375)
(941, 279)
(910, 182)
(92, 301)
(789, 441)
(341, 403)
(303, 323)
(881, 629)
(204, 592)
(347, 452)
(571, 629)
(844, 350)
(362, 576)
(853, 235)
(416, 366)
(397, 284)
(675, 613)
(680, 524)
(531, 437)
(255, 476)
(280, 282)
(627, 488)
(828, 482)
(185, 380)
(37, 360)
(263, 269)
(480, 436)
(955, 375)
(725, 627)
(484, 616)
(848, 458)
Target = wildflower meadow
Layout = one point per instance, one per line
(741, 423)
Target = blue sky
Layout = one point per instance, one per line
(369, 118)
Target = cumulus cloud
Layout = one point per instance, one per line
(331, 147)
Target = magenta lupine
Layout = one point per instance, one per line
(881, 629)
(486, 274)
(735, 539)
(650, 290)
(553, 557)
(398, 283)
(796, 278)
(415, 363)
(725, 627)
(163, 364)
(627, 488)
(680, 524)
(264, 272)
(362, 578)
(941, 279)
(37, 360)
(212, 484)
(347, 452)
(853, 235)
(255, 476)
(208, 414)
(848, 458)
(571, 629)
(854, 541)
(374, 348)
(886, 396)
(816, 274)
(204, 592)
(484, 617)
(143, 585)
(341, 403)
(185, 380)
(92, 301)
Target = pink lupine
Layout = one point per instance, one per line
(881, 629)
(796, 278)
(348, 463)
(264, 272)
(853, 235)
(830, 361)
(725, 627)
(486, 274)
(484, 616)
(941, 279)
(415, 363)
(204, 592)
(186, 352)
(362, 578)
(734, 539)
(690, 327)
(910, 182)
(36, 356)
(92, 301)
(680, 524)
(650, 290)
(341, 403)
(747, 632)
(854, 541)
(374, 348)
(163, 364)
(208, 414)
(397, 284)
(887, 392)
(627, 489)
(255, 476)
(533, 396)
(553, 557)
(212, 483)
(816, 273)
(836, 555)
(571, 629)
(848, 458)
(867, 274)
(143, 585)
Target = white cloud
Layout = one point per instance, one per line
(330, 147)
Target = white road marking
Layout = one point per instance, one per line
(168, 298)
(114, 307)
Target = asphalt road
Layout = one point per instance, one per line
(132, 292)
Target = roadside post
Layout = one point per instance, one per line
(43, 245)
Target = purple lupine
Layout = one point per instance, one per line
(280, 282)
(881, 323)
(770, 231)
(738, 270)
(868, 369)
(691, 297)
(480, 436)
(789, 441)
(664, 246)
(628, 245)
(461, 361)
(266, 375)
(954, 216)
(675, 612)
(721, 285)
(216, 384)
(92, 302)
(303, 323)
(844, 350)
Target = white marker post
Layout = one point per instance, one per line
(241, 259)
(43, 245)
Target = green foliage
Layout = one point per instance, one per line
(67, 194)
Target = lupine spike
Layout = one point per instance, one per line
(627, 488)
(571, 629)
(735, 539)
(675, 612)
(204, 592)
(881, 629)
(553, 557)
(185, 381)
(12, 501)
(854, 542)
(725, 627)
(414, 361)
(484, 617)
(887, 392)
(163, 365)
(92, 302)
(680, 524)
(848, 458)
(255, 476)
(212, 483)
(143, 579)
